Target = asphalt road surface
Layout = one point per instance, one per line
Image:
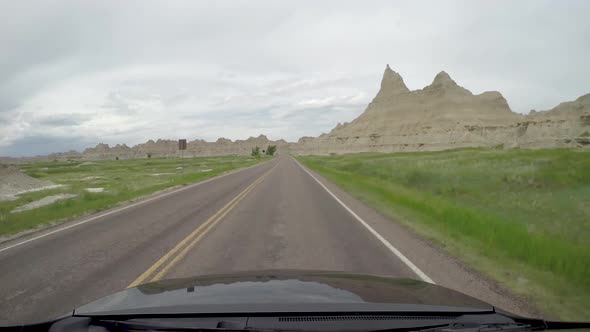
(275, 215)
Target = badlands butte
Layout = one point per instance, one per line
(441, 116)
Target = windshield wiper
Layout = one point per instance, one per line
(122, 325)
(518, 325)
(465, 327)
(117, 325)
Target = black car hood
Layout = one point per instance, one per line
(283, 291)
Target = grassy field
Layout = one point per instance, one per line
(520, 216)
(122, 180)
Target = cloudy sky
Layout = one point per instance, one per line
(75, 73)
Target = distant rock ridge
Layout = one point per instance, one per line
(442, 115)
(170, 148)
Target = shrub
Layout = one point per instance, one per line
(256, 152)
(271, 149)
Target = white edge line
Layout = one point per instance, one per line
(130, 206)
(389, 246)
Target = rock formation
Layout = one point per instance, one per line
(444, 115)
(566, 125)
(169, 148)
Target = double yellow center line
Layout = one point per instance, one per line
(172, 257)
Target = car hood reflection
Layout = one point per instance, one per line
(277, 291)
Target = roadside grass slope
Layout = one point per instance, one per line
(122, 180)
(519, 216)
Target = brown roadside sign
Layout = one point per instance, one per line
(182, 144)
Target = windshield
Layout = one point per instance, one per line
(437, 154)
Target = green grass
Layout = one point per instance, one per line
(520, 216)
(122, 179)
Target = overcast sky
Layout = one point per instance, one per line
(75, 73)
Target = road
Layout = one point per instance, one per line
(272, 216)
